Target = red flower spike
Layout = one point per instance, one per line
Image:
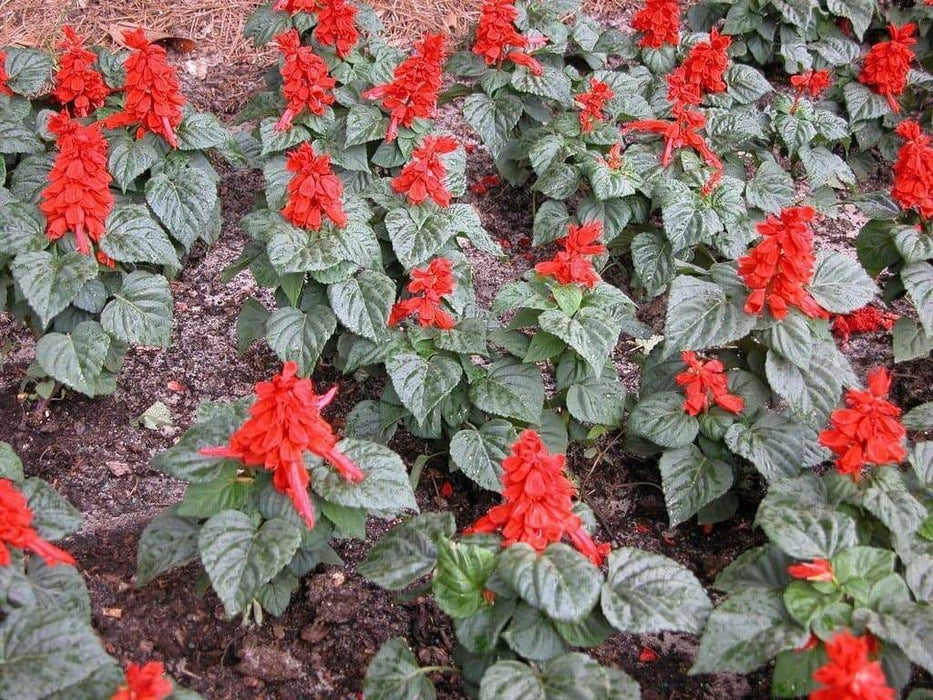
(76, 82)
(413, 91)
(306, 84)
(314, 191)
(659, 23)
(778, 269)
(423, 176)
(887, 64)
(295, 6)
(152, 99)
(428, 286)
(497, 39)
(869, 430)
(647, 655)
(285, 423)
(849, 674)
(336, 26)
(682, 132)
(913, 171)
(812, 82)
(573, 264)
(16, 529)
(613, 160)
(538, 501)
(681, 92)
(592, 104)
(706, 383)
(105, 260)
(144, 683)
(78, 196)
(865, 320)
(816, 570)
(4, 88)
(707, 62)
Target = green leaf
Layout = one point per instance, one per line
(905, 624)
(860, 12)
(691, 481)
(185, 461)
(59, 587)
(910, 340)
(365, 123)
(746, 84)
(510, 389)
(597, 400)
(394, 674)
(462, 570)
(250, 324)
(200, 131)
(239, 557)
(532, 635)
(130, 158)
(53, 516)
(571, 676)
(646, 592)
(919, 417)
(407, 552)
(805, 531)
(417, 240)
(771, 189)
(28, 70)
(792, 338)
(134, 236)
(550, 222)
(75, 359)
(552, 83)
(887, 497)
(589, 331)
(167, 542)
(22, 228)
(51, 281)
(363, 303)
(762, 567)
(661, 418)
(918, 281)
(840, 285)
(141, 312)
(295, 335)
(422, 384)
(700, 316)
(479, 453)
(559, 581)
(493, 118)
(653, 261)
(778, 446)
(184, 202)
(511, 680)
(226, 492)
(11, 467)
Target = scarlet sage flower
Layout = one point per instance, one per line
(780, 267)
(850, 674)
(77, 84)
(681, 132)
(4, 88)
(428, 286)
(423, 176)
(78, 196)
(413, 91)
(336, 26)
(614, 159)
(706, 63)
(592, 103)
(812, 82)
(816, 570)
(538, 502)
(706, 383)
(497, 39)
(868, 319)
(574, 264)
(16, 529)
(306, 84)
(285, 422)
(887, 64)
(659, 23)
(681, 92)
(153, 100)
(144, 683)
(314, 191)
(868, 431)
(913, 171)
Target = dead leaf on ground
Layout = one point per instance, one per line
(182, 44)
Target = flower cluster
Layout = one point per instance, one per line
(868, 319)
(706, 383)
(913, 171)
(285, 423)
(306, 84)
(592, 103)
(4, 88)
(780, 267)
(429, 285)
(816, 570)
(887, 64)
(613, 159)
(811, 82)
(706, 63)
(16, 529)
(78, 196)
(423, 176)
(682, 132)
(659, 23)
(153, 100)
(314, 191)
(869, 431)
(849, 674)
(144, 683)
(538, 502)
(412, 94)
(336, 21)
(77, 83)
(574, 264)
(497, 39)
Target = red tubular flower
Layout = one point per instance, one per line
(538, 502)
(306, 84)
(614, 159)
(780, 267)
(423, 176)
(706, 63)
(659, 23)
(869, 431)
(865, 320)
(592, 103)
(144, 683)
(78, 196)
(574, 264)
(682, 132)
(314, 190)
(76, 82)
(429, 285)
(497, 39)
(4, 88)
(414, 87)
(681, 92)
(812, 82)
(913, 172)
(850, 674)
(153, 99)
(888, 63)
(703, 381)
(816, 570)
(295, 6)
(16, 529)
(336, 26)
(285, 423)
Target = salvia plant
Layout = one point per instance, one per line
(48, 648)
(105, 189)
